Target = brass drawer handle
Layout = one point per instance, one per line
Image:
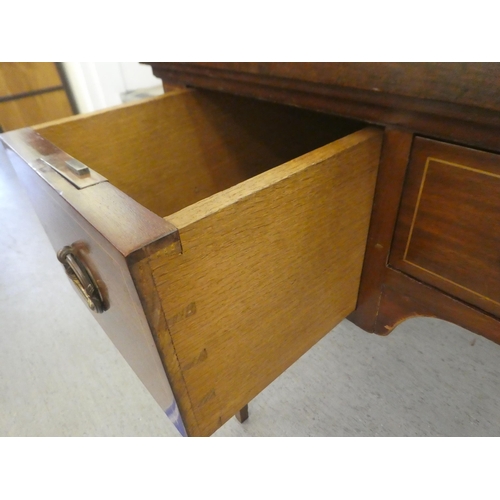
(82, 277)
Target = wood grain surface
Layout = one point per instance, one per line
(457, 102)
(140, 271)
(172, 151)
(269, 259)
(473, 84)
(35, 109)
(268, 267)
(18, 108)
(20, 77)
(205, 144)
(447, 229)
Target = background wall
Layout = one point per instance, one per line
(97, 85)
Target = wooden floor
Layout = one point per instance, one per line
(61, 376)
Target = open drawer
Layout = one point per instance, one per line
(215, 238)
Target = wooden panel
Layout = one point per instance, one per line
(473, 84)
(268, 267)
(447, 233)
(390, 179)
(141, 274)
(20, 77)
(172, 151)
(375, 93)
(35, 109)
(405, 297)
(65, 223)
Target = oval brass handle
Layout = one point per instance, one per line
(82, 277)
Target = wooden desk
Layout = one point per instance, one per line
(229, 233)
(434, 241)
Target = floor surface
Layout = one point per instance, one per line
(61, 376)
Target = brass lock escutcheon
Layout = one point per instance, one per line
(82, 277)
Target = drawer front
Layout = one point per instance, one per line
(257, 257)
(448, 227)
(86, 220)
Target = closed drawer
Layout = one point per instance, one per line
(226, 238)
(447, 232)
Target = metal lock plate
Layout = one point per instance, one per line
(73, 170)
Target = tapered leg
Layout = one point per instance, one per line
(242, 415)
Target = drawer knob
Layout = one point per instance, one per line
(82, 277)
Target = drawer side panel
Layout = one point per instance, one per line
(268, 268)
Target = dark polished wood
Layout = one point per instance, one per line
(473, 84)
(447, 232)
(91, 220)
(405, 297)
(391, 175)
(242, 415)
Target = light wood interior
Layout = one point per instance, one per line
(172, 151)
(268, 267)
